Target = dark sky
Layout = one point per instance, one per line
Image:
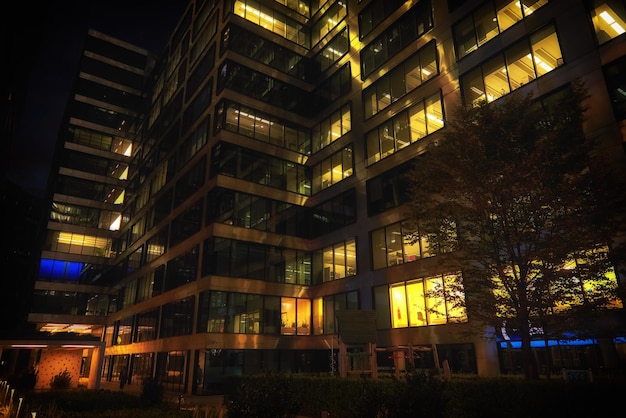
(145, 23)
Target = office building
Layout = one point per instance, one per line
(216, 210)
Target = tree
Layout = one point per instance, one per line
(506, 197)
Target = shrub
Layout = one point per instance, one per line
(151, 391)
(61, 381)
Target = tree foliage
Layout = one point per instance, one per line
(507, 197)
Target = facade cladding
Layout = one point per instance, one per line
(215, 208)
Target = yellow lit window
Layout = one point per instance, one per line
(609, 19)
(399, 318)
(417, 303)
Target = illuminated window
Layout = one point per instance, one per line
(397, 244)
(270, 20)
(67, 242)
(295, 316)
(421, 119)
(333, 170)
(405, 77)
(489, 21)
(609, 19)
(417, 303)
(546, 50)
(431, 301)
(496, 78)
(399, 316)
(288, 316)
(521, 63)
(318, 316)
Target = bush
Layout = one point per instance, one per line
(61, 381)
(88, 403)
(152, 391)
(268, 395)
(415, 396)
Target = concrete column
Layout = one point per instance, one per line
(95, 370)
(487, 357)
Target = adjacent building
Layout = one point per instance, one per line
(217, 210)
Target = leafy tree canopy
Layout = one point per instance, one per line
(507, 197)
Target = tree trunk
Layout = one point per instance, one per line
(528, 360)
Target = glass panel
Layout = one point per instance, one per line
(425, 246)
(394, 245)
(288, 316)
(473, 88)
(379, 253)
(383, 94)
(318, 316)
(417, 303)
(509, 12)
(329, 271)
(346, 120)
(335, 126)
(465, 37)
(336, 168)
(609, 19)
(411, 246)
(417, 118)
(347, 162)
(529, 6)
(373, 147)
(276, 132)
(350, 258)
(453, 283)
(246, 122)
(412, 69)
(519, 65)
(397, 84)
(428, 57)
(486, 23)
(546, 51)
(399, 318)
(387, 143)
(326, 174)
(340, 260)
(434, 114)
(382, 307)
(496, 80)
(435, 302)
(262, 129)
(369, 101)
(304, 317)
(401, 130)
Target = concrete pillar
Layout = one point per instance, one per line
(487, 357)
(95, 369)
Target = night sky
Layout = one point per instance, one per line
(145, 23)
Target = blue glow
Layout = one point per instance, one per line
(59, 270)
(551, 343)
